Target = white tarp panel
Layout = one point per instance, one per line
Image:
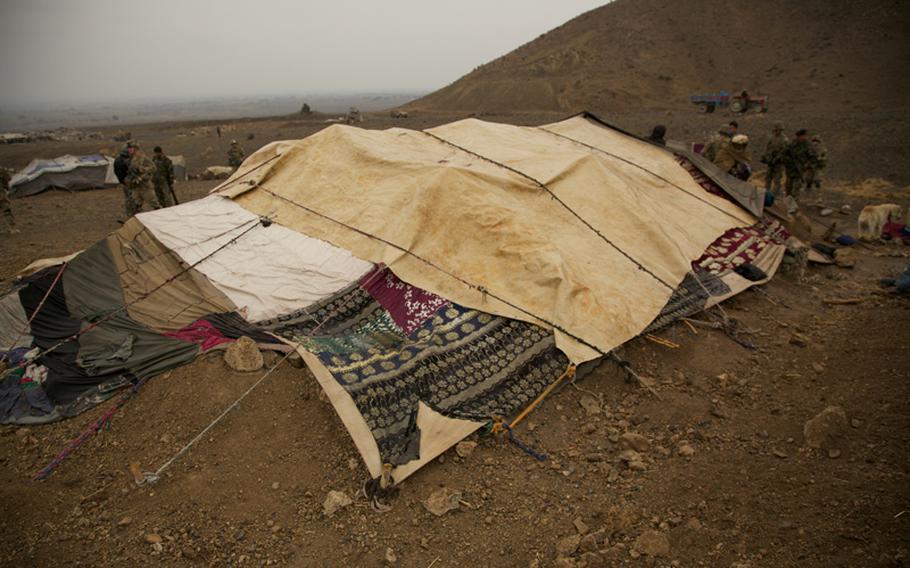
(62, 164)
(269, 271)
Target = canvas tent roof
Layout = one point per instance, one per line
(430, 280)
(65, 172)
(614, 252)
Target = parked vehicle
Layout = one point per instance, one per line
(742, 102)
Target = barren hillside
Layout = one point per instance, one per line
(833, 55)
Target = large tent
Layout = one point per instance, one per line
(65, 172)
(432, 280)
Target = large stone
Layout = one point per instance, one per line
(823, 430)
(567, 546)
(633, 441)
(335, 501)
(653, 543)
(243, 355)
(442, 501)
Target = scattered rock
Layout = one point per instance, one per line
(826, 427)
(592, 560)
(243, 355)
(818, 367)
(188, 553)
(685, 450)
(588, 543)
(276, 485)
(465, 449)
(153, 538)
(567, 546)
(844, 258)
(589, 428)
(125, 521)
(826, 211)
(442, 501)
(334, 501)
(629, 456)
(855, 423)
(799, 339)
(780, 454)
(390, 556)
(833, 453)
(693, 524)
(653, 543)
(581, 526)
(633, 441)
(590, 404)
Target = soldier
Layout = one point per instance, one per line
(796, 159)
(720, 139)
(121, 169)
(734, 158)
(139, 179)
(773, 158)
(235, 155)
(817, 164)
(4, 201)
(163, 178)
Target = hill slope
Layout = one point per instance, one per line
(809, 54)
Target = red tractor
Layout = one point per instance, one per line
(743, 102)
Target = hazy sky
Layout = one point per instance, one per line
(82, 50)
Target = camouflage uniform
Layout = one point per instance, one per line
(773, 158)
(796, 159)
(164, 180)
(813, 175)
(734, 160)
(139, 181)
(235, 155)
(121, 169)
(720, 139)
(5, 206)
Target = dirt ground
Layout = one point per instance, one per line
(725, 477)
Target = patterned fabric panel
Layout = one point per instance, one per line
(700, 178)
(689, 298)
(460, 362)
(739, 246)
(409, 306)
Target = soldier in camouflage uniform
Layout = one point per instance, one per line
(235, 155)
(121, 168)
(720, 139)
(5, 207)
(139, 179)
(813, 173)
(773, 158)
(796, 159)
(163, 178)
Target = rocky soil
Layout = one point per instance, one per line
(794, 453)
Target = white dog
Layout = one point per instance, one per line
(873, 217)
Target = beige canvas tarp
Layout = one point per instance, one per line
(484, 235)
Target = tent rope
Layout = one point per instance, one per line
(231, 182)
(34, 313)
(642, 168)
(482, 289)
(558, 200)
(152, 477)
(264, 221)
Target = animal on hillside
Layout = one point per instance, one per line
(873, 217)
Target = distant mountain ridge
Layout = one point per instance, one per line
(818, 54)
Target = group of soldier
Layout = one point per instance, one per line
(148, 183)
(799, 161)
